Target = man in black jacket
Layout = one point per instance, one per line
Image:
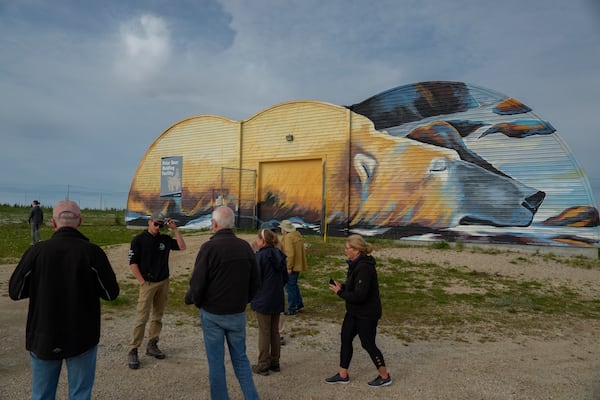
(36, 219)
(64, 278)
(224, 280)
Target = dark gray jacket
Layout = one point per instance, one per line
(36, 215)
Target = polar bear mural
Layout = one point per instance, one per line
(399, 182)
(428, 161)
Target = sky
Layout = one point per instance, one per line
(86, 87)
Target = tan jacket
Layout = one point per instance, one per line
(293, 247)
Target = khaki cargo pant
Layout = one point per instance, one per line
(152, 300)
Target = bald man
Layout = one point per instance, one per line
(63, 278)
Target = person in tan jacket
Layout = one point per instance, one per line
(294, 248)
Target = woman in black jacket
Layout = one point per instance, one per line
(269, 301)
(363, 310)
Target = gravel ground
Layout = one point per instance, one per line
(563, 363)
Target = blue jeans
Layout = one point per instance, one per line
(81, 372)
(293, 291)
(232, 327)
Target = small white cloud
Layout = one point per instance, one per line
(144, 48)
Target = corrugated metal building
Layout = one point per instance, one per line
(428, 161)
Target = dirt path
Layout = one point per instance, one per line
(565, 364)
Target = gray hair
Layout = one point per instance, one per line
(68, 218)
(224, 217)
(66, 213)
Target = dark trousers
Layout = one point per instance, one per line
(269, 346)
(366, 329)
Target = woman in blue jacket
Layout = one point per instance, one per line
(269, 301)
(363, 310)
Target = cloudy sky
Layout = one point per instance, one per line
(87, 86)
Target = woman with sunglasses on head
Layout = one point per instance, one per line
(269, 301)
(363, 310)
(149, 263)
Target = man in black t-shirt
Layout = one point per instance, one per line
(149, 263)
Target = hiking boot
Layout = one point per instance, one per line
(275, 368)
(132, 359)
(338, 379)
(153, 350)
(380, 382)
(261, 371)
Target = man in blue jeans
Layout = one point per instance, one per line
(224, 280)
(294, 248)
(64, 279)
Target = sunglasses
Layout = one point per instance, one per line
(158, 224)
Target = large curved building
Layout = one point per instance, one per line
(427, 161)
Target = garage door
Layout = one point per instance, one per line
(291, 189)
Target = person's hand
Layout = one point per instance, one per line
(171, 224)
(335, 287)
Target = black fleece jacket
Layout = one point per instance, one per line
(64, 278)
(225, 276)
(361, 290)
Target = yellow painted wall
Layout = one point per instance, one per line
(206, 143)
(320, 131)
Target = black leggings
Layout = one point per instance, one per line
(366, 329)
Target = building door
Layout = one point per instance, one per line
(291, 189)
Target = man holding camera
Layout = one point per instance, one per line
(149, 263)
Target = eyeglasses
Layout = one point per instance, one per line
(158, 224)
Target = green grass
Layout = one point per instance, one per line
(420, 300)
(103, 227)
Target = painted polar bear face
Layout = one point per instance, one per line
(396, 182)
